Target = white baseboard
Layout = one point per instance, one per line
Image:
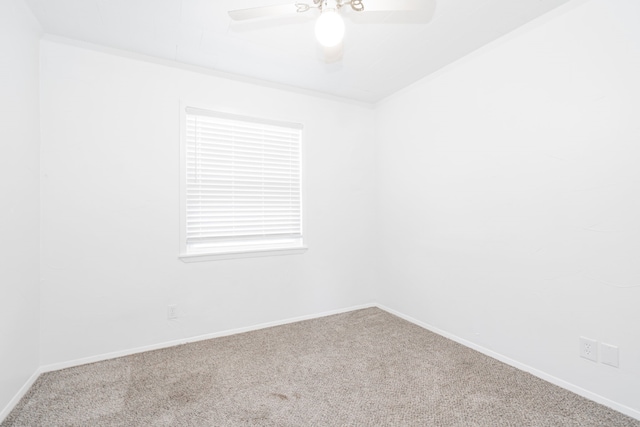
(167, 344)
(540, 374)
(19, 395)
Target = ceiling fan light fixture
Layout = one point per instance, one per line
(330, 28)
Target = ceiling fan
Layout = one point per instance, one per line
(330, 28)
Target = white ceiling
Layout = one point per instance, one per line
(383, 52)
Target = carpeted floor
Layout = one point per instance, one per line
(363, 368)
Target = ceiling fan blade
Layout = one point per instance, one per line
(263, 12)
(395, 5)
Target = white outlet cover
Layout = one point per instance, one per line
(589, 349)
(172, 312)
(610, 355)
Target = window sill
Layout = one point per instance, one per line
(189, 258)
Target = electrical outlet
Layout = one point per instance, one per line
(610, 355)
(172, 312)
(589, 349)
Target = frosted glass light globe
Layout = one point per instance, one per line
(329, 28)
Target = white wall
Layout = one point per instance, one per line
(510, 196)
(110, 194)
(19, 192)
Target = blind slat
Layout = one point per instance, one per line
(240, 238)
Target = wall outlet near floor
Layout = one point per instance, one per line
(589, 349)
(610, 355)
(172, 312)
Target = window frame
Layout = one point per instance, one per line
(250, 252)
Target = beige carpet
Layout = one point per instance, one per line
(364, 368)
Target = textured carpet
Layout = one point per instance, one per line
(363, 368)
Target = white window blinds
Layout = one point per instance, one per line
(243, 183)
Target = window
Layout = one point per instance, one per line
(242, 186)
